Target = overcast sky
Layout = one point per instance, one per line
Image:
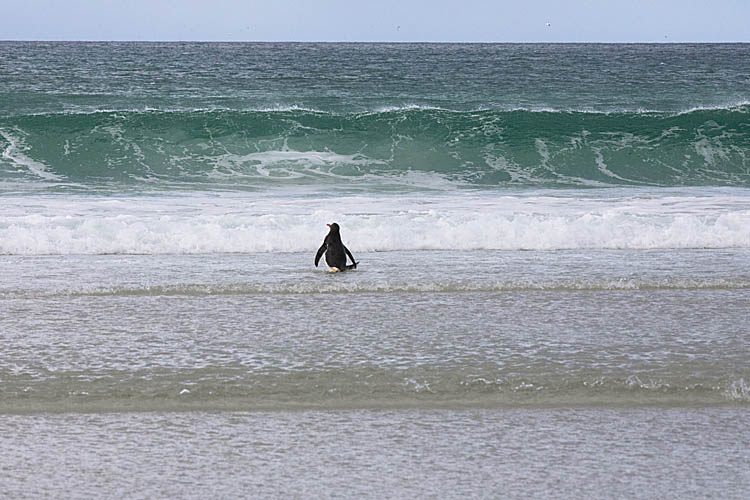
(379, 20)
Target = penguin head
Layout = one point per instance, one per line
(334, 227)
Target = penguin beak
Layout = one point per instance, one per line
(328, 225)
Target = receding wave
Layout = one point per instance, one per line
(226, 388)
(377, 286)
(291, 146)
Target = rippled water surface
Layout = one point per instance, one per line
(613, 453)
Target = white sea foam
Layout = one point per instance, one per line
(738, 391)
(729, 106)
(408, 107)
(14, 154)
(204, 223)
(287, 163)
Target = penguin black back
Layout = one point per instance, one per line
(335, 250)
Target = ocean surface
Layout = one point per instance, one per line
(552, 298)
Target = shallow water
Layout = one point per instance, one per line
(576, 453)
(441, 329)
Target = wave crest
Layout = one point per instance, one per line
(292, 145)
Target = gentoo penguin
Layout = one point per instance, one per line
(335, 251)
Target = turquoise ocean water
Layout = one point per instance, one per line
(552, 297)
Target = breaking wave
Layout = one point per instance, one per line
(128, 227)
(252, 149)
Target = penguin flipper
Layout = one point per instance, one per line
(320, 253)
(351, 257)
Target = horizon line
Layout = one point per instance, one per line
(438, 42)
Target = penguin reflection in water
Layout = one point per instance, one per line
(335, 251)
